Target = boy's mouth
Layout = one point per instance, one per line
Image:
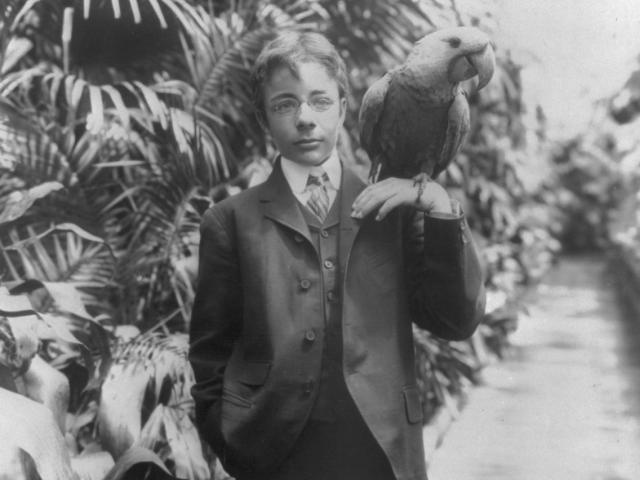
(307, 142)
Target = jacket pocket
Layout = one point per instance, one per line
(254, 373)
(240, 388)
(238, 400)
(412, 403)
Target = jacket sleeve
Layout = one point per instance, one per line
(215, 321)
(444, 275)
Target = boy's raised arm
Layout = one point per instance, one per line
(444, 275)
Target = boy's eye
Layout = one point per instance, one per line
(320, 104)
(289, 106)
(284, 107)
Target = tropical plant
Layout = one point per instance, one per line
(624, 109)
(37, 398)
(622, 236)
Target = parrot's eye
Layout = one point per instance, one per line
(454, 42)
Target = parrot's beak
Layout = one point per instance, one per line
(481, 63)
(484, 63)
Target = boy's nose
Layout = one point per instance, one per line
(305, 116)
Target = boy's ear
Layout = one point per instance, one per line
(343, 107)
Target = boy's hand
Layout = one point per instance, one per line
(392, 192)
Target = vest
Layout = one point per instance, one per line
(333, 396)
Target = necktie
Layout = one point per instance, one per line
(318, 202)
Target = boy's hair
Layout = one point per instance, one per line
(289, 49)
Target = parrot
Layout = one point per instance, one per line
(414, 120)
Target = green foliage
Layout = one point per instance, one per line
(589, 177)
(623, 226)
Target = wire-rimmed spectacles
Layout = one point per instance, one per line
(291, 106)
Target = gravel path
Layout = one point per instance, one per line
(566, 404)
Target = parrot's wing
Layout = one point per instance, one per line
(458, 122)
(371, 109)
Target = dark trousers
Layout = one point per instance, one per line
(340, 450)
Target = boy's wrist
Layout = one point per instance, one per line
(432, 198)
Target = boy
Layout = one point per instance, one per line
(301, 338)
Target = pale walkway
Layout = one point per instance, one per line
(566, 404)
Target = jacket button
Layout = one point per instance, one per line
(328, 264)
(298, 238)
(305, 284)
(308, 387)
(332, 296)
(324, 233)
(310, 336)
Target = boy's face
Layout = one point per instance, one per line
(304, 135)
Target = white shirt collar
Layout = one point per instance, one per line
(297, 174)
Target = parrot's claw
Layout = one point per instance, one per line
(421, 181)
(422, 178)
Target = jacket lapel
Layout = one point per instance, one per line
(280, 204)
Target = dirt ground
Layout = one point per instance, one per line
(566, 404)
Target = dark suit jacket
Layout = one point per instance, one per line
(259, 296)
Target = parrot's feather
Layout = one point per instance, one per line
(372, 107)
(457, 130)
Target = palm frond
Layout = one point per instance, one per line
(74, 270)
(32, 31)
(203, 141)
(139, 10)
(28, 152)
(81, 341)
(161, 238)
(148, 371)
(13, 206)
(370, 32)
(67, 92)
(18, 338)
(139, 462)
(10, 11)
(17, 48)
(134, 39)
(107, 114)
(10, 14)
(171, 434)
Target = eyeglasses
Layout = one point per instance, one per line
(291, 106)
